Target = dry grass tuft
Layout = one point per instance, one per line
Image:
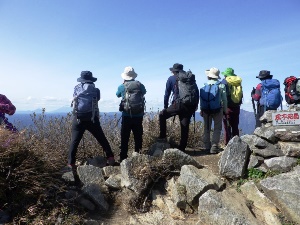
(31, 189)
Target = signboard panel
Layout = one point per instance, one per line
(286, 118)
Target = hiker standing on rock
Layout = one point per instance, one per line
(132, 107)
(267, 94)
(86, 117)
(184, 103)
(213, 103)
(233, 84)
(6, 107)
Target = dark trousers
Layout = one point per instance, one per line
(77, 132)
(185, 113)
(231, 123)
(134, 124)
(260, 112)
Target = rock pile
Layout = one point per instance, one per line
(168, 185)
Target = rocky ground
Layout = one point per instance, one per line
(118, 215)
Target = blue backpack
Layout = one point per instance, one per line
(85, 103)
(270, 94)
(210, 98)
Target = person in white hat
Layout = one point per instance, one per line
(213, 103)
(132, 107)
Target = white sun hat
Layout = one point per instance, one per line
(128, 73)
(213, 73)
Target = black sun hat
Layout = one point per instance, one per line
(176, 67)
(264, 74)
(86, 76)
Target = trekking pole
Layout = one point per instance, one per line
(194, 130)
(253, 104)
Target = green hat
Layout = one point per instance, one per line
(228, 72)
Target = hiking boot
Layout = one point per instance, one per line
(111, 161)
(214, 149)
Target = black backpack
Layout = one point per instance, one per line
(134, 101)
(188, 89)
(292, 92)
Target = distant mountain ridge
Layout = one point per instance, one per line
(247, 120)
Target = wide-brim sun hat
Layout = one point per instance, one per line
(129, 73)
(86, 76)
(229, 72)
(176, 67)
(213, 73)
(264, 74)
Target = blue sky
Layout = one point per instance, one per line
(46, 44)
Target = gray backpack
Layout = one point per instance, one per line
(85, 103)
(188, 89)
(134, 101)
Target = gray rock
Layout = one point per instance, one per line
(177, 158)
(283, 190)
(154, 217)
(281, 164)
(197, 181)
(111, 170)
(260, 143)
(94, 192)
(158, 148)
(290, 148)
(114, 181)
(263, 167)
(288, 133)
(263, 207)
(90, 174)
(255, 161)
(267, 133)
(235, 158)
(270, 151)
(250, 140)
(224, 208)
(177, 193)
(134, 172)
(267, 116)
(68, 176)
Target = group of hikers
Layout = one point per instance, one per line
(220, 102)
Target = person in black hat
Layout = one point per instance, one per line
(257, 95)
(88, 119)
(176, 108)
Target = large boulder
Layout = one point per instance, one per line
(135, 172)
(235, 158)
(283, 190)
(262, 206)
(176, 158)
(197, 181)
(224, 208)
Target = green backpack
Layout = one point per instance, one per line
(235, 90)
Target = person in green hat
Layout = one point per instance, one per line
(234, 92)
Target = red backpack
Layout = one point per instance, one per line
(292, 95)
